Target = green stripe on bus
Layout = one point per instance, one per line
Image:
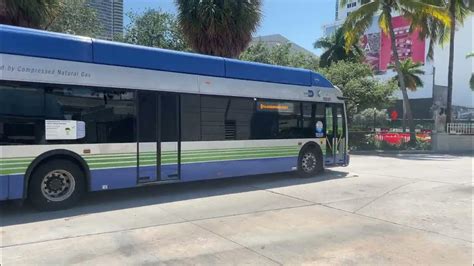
(149, 158)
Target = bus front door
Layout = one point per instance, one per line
(335, 134)
(158, 136)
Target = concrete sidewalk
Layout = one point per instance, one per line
(398, 209)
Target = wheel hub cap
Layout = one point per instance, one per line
(308, 162)
(58, 185)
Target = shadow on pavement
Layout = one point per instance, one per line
(94, 202)
(421, 157)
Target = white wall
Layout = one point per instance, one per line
(463, 68)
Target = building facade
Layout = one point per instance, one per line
(278, 39)
(433, 94)
(110, 15)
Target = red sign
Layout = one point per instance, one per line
(398, 138)
(408, 44)
(394, 115)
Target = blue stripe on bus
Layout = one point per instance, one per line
(36, 43)
(211, 170)
(157, 59)
(116, 178)
(263, 72)
(11, 186)
(319, 81)
(29, 42)
(4, 187)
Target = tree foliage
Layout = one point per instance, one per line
(36, 14)
(371, 117)
(471, 81)
(359, 86)
(78, 18)
(335, 49)
(154, 28)
(361, 19)
(411, 72)
(279, 55)
(216, 27)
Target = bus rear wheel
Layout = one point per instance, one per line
(310, 162)
(56, 185)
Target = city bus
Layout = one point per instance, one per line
(79, 114)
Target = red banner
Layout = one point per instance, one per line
(408, 44)
(370, 44)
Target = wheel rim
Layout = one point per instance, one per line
(308, 162)
(58, 185)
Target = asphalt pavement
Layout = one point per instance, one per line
(382, 209)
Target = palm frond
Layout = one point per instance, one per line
(411, 72)
(325, 42)
(409, 8)
(384, 22)
(30, 13)
(222, 28)
(470, 5)
(418, 82)
(358, 21)
(471, 82)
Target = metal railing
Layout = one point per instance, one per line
(460, 128)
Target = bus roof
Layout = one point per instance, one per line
(36, 43)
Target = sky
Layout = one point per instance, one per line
(300, 21)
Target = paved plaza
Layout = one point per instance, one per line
(384, 209)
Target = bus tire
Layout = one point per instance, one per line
(56, 184)
(310, 162)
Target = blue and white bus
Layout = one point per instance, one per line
(79, 114)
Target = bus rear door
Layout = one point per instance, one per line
(158, 155)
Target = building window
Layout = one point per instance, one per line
(351, 5)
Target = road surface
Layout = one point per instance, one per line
(394, 209)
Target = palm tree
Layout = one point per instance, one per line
(458, 11)
(471, 82)
(411, 71)
(216, 27)
(335, 49)
(37, 14)
(360, 20)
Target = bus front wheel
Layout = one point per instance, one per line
(56, 184)
(310, 162)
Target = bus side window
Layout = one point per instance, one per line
(190, 117)
(21, 114)
(320, 119)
